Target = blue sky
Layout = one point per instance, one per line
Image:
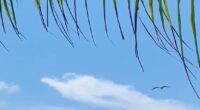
(44, 73)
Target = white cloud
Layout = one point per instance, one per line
(8, 106)
(8, 88)
(107, 94)
(50, 108)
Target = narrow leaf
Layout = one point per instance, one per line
(151, 9)
(59, 24)
(13, 12)
(170, 24)
(75, 21)
(11, 20)
(104, 15)
(1, 14)
(136, 36)
(117, 15)
(130, 15)
(193, 23)
(88, 17)
(161, 14)
(76, 17)
(180, 29)
(38, 4)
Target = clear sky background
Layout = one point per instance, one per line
(44, 73)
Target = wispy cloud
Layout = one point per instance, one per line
(47, 107)
(8, 106)
(8, 88)
(107, 94)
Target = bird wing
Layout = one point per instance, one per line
(155, 88)
(164, 87)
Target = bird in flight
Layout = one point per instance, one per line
(162, 87)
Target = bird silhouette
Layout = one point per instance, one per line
(161, 87)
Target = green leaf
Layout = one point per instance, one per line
(59, 24)
(117, 15)
(13, 12)
(161, 14)
(136, 36)
(104, 15)
(130, 15)
(38, 4)
(75, 20)
(180, 29)
(75, 16)
(167, 13)
(60, 2)
(1, 14)
(193, 23)
(8, 12)
(171, 26)
(151, 9)
(89, 22)
(12, 20)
